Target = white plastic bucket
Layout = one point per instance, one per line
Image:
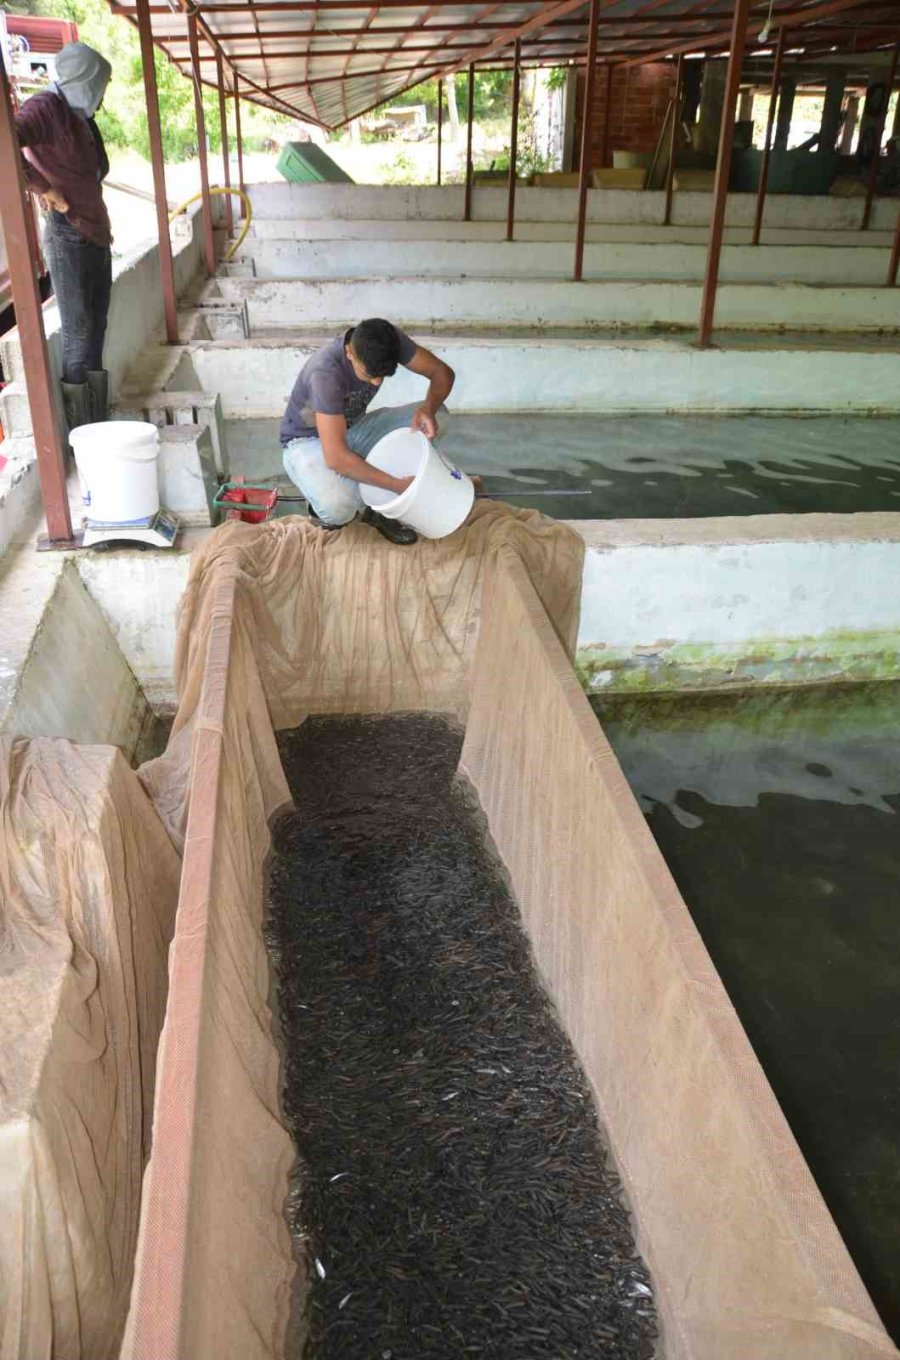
(116, 461)
(439, 499)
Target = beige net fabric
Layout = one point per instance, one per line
(88, 886)
(277, 621)
(746, 1260)
(281, 621)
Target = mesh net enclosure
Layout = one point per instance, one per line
(88, 887)
(280, 622)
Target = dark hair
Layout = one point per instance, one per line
(376, 345)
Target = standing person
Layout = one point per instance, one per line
(65, 163)
(326, 435)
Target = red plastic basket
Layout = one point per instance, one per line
(263, 499)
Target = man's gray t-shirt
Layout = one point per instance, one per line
(328, 386)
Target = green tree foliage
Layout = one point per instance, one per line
(493, 91)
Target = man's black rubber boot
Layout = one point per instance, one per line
(98, 386)
(77, 404)
(391, 529)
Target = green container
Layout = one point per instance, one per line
(306, 163)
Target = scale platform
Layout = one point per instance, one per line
(157, 531)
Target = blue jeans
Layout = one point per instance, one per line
(82, 279)
(336, 499)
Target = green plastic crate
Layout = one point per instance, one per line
(306, 163)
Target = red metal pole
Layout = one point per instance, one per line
(39, 381)
(467, 213)
(209, 244)
(440, 128)
(607, 116)
(673, 140)
(513, 145)
(223, 123)
(895, 258)
(584, 168)
(723, 169)
(154, 128)
(767, 149)
(238, 139)
(876, 154)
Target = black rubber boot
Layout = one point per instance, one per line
(77, 404)
(98, 386)
(391, 529)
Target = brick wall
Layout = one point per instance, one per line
(640, 97)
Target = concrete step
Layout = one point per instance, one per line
(271, 229)
(744, 372)
(337, 259)
(418, 203)
(548, 304)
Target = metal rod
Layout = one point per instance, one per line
(223, 125)
(584, 166)
(876, 151)
(157, 160)
(767, 148)
(239, 140)
(607, 117)
(209, 244)
(41, 388)
(513, 144)
(467, 213)
(673, 139)
(723, 169)
(440, 128)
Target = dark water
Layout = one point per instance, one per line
(454, 1196)
(778, 817)
(669, 466)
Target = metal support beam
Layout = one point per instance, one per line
(723, 169)
(786, 96)
(223, 124)
(606, 154)
(876, 152)
(238, 139)
(513, 144)
(467, 214)
(209, 244)
(584, 168)
(673, 139)
(767, 147)
(440, 128)
(157, 160)
(39, 382)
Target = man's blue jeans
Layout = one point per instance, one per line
(82, 279)
(336, 499)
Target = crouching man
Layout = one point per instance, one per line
(326, 433)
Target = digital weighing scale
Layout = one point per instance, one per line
(156, 531)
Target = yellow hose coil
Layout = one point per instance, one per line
(216, 189)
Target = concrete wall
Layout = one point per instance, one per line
(346, 258)
(62, 673)
(626, 374)
(545, 304)
(390, 202)
(671, 604)
(664, 604)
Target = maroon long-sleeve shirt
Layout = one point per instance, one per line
(63, 153)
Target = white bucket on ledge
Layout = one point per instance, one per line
(441, 496)
(116, 461)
